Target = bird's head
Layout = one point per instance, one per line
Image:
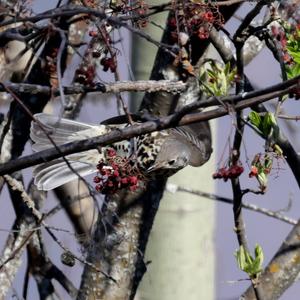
(168, 167)
(172, 156)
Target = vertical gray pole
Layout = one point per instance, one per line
(181, 243)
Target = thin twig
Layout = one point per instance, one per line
(72, 10)
(285, 117)
(58, 66)
(273, 214)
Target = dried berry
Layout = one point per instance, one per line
(108, 63)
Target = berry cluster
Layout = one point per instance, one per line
(115, 174)
(198, 18)
(201, 23)
(140, 13)
(108, 63)
(233, 171)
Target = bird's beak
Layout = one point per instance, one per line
(153, 168)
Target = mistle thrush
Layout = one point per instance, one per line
(160, 153)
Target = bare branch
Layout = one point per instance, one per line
(150, 126)
(172, 188)
(117, 87)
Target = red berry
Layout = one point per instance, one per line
(103, 172)
(110, 183)
(194, 22)
(100, 165)
(124, 180)
(113, 67)
(133, 180)
(223, 172)
(208, 16)
(99, 188)
(93, 33)
(216, 175)
(111, 152)
(172, 23)
(240, 169)
(132, 187)
(253, 172)
(97, 179)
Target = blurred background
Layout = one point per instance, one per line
(192, 244)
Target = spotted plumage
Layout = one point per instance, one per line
(160, 153)
(148, 147)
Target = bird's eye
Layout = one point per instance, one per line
(171, 162)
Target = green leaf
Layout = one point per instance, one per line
(231, 76)
(255, 119)
(293, 71)
(278, 150)
(203, 77)
(211, 74)
(262, 179)
(241, 258)
(293, 52)
(252, 266)
(268, 122)
(258, 261)
(217, 77)
(268, 162)
(227, 68)
(259, 254)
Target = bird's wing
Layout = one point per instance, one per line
(61, 131)
(52, 174)
(199, 137)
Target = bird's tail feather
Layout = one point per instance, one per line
(59, 129)
(52, 174)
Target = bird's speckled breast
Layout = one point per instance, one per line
(148, 147)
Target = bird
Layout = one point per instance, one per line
(160, 153)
